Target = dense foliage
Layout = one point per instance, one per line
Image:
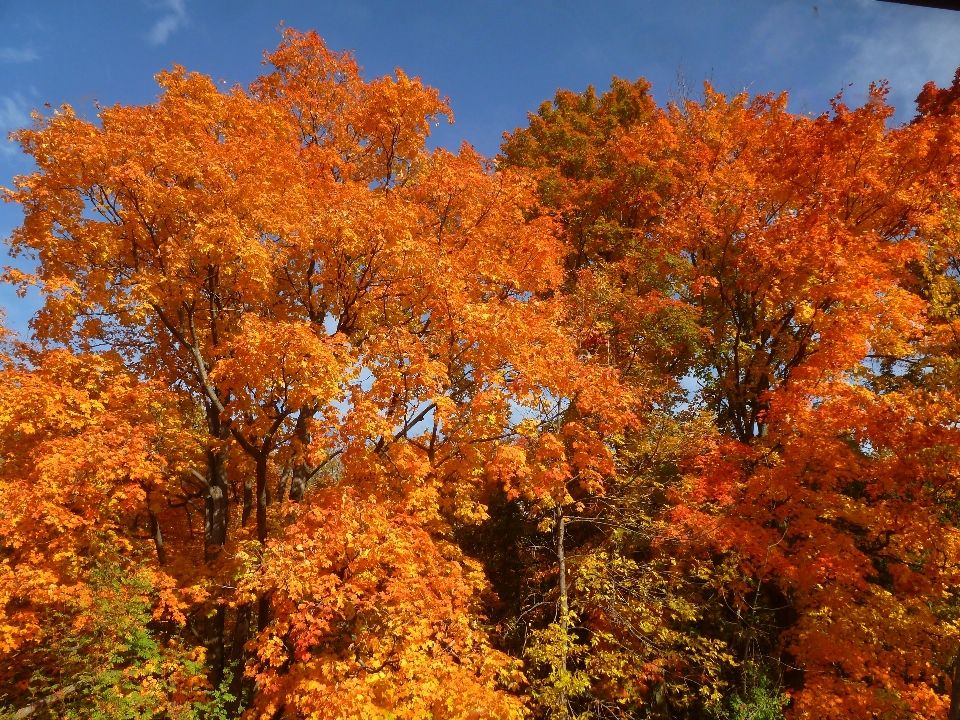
(655, 415)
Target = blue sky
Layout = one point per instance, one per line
(496, 60)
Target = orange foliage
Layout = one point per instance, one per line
(88, 454)
(304, 315)
(372, 615)
(790, 248)
(295, 265)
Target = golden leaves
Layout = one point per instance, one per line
(680, 332)
(379, 618)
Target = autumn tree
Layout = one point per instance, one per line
(293, 262)
(790, 243)
(88, 589)
(654, 415)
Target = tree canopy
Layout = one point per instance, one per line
(653, 415)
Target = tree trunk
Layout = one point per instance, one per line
(282, 485)
(562, 562)
(301, 471)
(238, 656)
(247, 502)
(215, 520)
(58, 696)
(564, 602)
(262, 496)
(157, 539)
(955, 693)
(298, 484)
(263, 612)
(214, 644)
(216, 517)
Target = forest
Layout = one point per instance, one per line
(655, 414)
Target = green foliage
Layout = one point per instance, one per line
(113, 665)
(762, 699)
(557, 652)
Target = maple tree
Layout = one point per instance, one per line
(654, 415)
(88, 452)
(792, 245)
(295, 266)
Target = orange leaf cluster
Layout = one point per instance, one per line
(655, 415)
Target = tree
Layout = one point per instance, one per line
(654, 415)
(791, 244)
(294, 264)
(91, 604)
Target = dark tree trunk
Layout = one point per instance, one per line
(282, 485)
(263, 605)
(215, 521)
(298, 484)
(955, 693)
(157, 539)
(564, 600)
(263, 612)
(247, 501)
(214, 645)
(238, 657)
(301, 471)
(214, 538)
(262, 496)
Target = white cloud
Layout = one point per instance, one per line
(908, 50)
(14, 114)
(17, 55)
(844, 45)
(174, 18)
